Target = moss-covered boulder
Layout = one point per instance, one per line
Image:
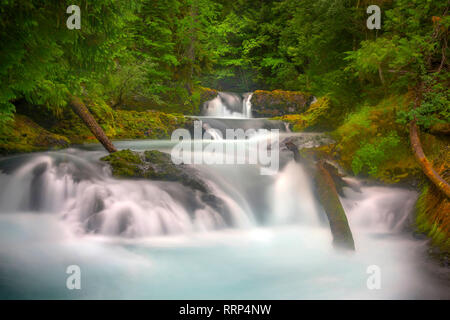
(156, 165)
(207, 94)
(320, 116)
(126, 164)
(153, 165)
(279, 102)
(23, 135)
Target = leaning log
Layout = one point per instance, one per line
(82, 111)
(425, 164)
(329, 198)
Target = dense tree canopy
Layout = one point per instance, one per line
(161, 51)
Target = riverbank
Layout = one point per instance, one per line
(372, 144)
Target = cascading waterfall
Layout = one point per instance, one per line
(247, 105)
(228, 104)
(97, 203)
(131, 236)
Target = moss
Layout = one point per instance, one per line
(368, 128)
(125, 164)
(321, 116)
(151, 164)
(433, 217)
(279, 102)
(24, 135)
(121, 124)
(207, 94)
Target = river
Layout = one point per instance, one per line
(140, 239)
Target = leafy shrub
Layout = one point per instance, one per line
(371, 155)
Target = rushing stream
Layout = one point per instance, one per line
(159, 240)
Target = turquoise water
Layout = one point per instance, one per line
(279, 246)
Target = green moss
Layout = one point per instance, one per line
(432, 217)
(370, 142)
(125, 163)
(152, 164)
(24, 135)
(321, 116)
(121, 124)
(206, 94)
(279, 102)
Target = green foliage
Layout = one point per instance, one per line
(434, 107)
(371, 155)
(23, 135)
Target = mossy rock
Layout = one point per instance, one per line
(279, 102)
(153, 165)
(207, 94)
(23, 135)
(125, 164)
(321, 115)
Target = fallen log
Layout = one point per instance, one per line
(82, 111)
(425, 164)
(328, 196)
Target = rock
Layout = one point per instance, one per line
(320, 116)
(279, 102)
(157, 165)
(24, 135)
(153, 165)
(207, 94)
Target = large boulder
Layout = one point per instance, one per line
(153, 165)
(157, 165)
(321, 115)
(207, 94)
(279, 102)
(22, 134)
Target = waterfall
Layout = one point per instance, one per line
(247, 105)
(64, 207)
(228, 105)
(91, 201)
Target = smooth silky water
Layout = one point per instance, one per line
(140, 239)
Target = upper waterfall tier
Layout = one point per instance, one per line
(229, 105)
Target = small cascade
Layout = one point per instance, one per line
(247, 105)
(91, 201)
(228, 105)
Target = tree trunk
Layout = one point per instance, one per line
(427, 168)
(328, 196)
(80, 109)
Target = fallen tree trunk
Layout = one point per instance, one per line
(425, 164)
(328, 196)
(80, 109)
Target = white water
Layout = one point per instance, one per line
(160, 240)
(228, 104)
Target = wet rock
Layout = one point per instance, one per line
(157, 165)
(279, 102)
(153, 165)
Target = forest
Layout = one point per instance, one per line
(136, 70)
